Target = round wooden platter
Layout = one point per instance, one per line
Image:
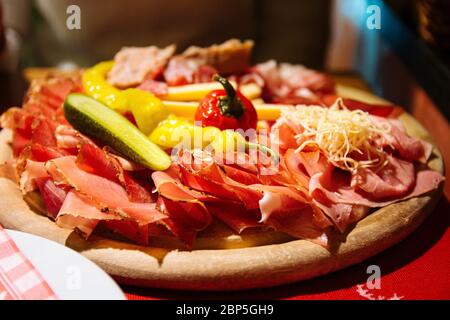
(227, 261)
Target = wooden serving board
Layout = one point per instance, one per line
(232, 262)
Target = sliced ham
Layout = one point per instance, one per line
(409, 148)
(79, 212)
(105, 192)
(345, 203)
(168, 185)
(45, 153)
(185, 208)
(32, 171)
(44, 133)
(98, 161)
(182, 71)
(287, 210)
(132, 65)
(19, 143)
(235, 215)
(252, 204)
(69, 138)
(296, 84)
(17, 118)
(231, 57)
(52, 195)
(425, 181)
(206, 176)
(129, 229)
(395, 179)
(158, 88)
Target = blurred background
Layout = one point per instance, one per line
(398, 49)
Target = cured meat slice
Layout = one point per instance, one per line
(106, 193)
(132, 65)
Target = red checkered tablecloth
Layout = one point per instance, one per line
(416, 268)
(19, 279)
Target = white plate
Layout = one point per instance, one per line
(69, 274)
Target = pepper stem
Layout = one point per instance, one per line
(230, 105)
(231, 93)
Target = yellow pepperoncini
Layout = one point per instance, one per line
(174, 130)
(179, 132)
(147, 109)
(228, 141)
(171, 132)
(96, 86)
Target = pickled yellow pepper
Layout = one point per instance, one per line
(96, 86)
(147, 109)
(175, 131)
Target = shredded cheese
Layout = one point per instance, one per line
(346, 137)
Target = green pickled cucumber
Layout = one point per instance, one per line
(98, 121)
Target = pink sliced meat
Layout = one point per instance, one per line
(207, 177)
(32, 171)
(409, 148)
(169, 186)
(395, 179)
(287, 83)
(105, 192)
(129, 229)
(235, 215)
(44, 134)
(80, 212)
(132, 65)
(45, 153)
(69, 138)
(184, 207)
(52, 195)
(345, 203)
(98, 161)
(182, 71)
(158, 88)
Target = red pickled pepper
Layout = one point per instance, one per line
(226, 108)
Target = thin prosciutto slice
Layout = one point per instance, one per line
(52, 195)
(79, 212)
(104, 192)
(408, 148)
(182, 70)
(133, 65)
(205, 175)
(345, 203)
(286, 210)
(281, 207)
(184, 207)
(33, 170)
(293, 84)
(100, 162)
(341, 192)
